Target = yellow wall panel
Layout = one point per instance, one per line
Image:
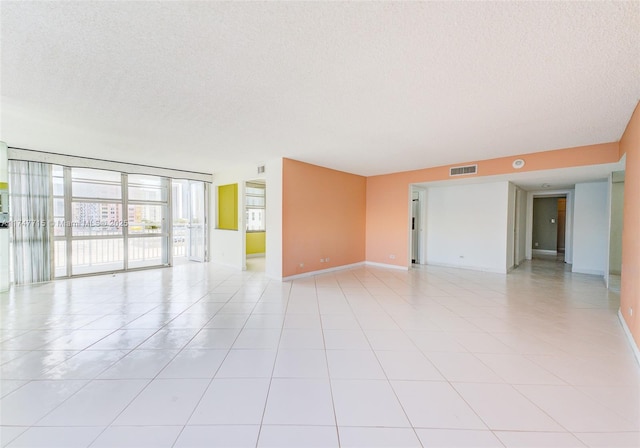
(256, 242)
(228, 207)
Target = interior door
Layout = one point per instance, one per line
(197, 223)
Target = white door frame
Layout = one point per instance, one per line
(568, 254)
(422, 224)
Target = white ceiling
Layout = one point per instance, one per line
(364, 87)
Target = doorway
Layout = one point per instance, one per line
(415, 217)
(549, 227)
(255, 201)
(417, 225)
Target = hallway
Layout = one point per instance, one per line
(202, 355)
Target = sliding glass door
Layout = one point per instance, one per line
(96, 222)
(147, 230)
(107, 221)
(189, 207)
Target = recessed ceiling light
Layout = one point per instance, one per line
(546, 185)
(518, 163)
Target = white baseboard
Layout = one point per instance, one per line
(260, 255)
(469, 268)
(323, 271)
(387, 266)
(544, 252)
(587, 271)
(228, 265)
(634, 346)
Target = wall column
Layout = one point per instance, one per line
(4, 230)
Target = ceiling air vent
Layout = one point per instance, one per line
(261, 169)
(463, 170)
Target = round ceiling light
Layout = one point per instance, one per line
(518, 163)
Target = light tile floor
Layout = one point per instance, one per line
(204, 356)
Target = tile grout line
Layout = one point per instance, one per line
(392, 281)
(388, 381)
(275, 360)
(446, 380)
(154, 378)
(326, 360)
(217, 370)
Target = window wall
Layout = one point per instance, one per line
(108, 221)
(74, 220)
(255, 207)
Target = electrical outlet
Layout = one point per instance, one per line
(393, 257)
(630, 311)
(322, 260)
(327, 259)
(301, 265)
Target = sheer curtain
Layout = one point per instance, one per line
(30, 211)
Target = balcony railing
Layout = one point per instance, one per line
(107, 254)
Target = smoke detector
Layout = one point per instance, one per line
(518, 163)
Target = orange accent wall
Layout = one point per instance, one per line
(388, 195)
(323, 215)
(630, 291)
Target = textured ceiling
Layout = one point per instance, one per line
(363, 87)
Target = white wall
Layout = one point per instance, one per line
(568, 235)
(466, 226)
(511, 227)
(228, 247)
(4, 233)
(422, 195)
(273, 260)
(615, 247)
(590, 228)
(521, 226)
